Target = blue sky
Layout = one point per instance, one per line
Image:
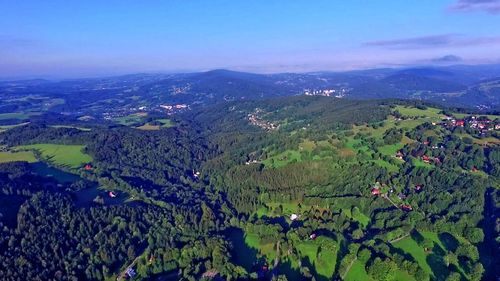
(93, 38)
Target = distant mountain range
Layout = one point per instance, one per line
(460, 85)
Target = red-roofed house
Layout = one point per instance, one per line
(406, 207)
(426, 159)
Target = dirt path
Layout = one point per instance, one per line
(389, 199)
(349, 268)
(400, 238)
(123, 274)
(277, 259)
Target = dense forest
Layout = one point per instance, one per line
(296, 188)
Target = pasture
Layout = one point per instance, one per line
(70, 156)
(131, 119)
(166, 123)
(148, 127)
(432, 261)
(8, 156)
(411, 111)
(72, 127)
(18, 115)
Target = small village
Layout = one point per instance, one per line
(389, 194)
(338, 93)
(481, 123)
(174, 108)
(255, 119)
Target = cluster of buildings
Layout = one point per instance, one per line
(256, 120)
(376, 190)
(340, 93)
(173, 106)
(429, 160)
(480, 123)
(117, 113)
(180, 89)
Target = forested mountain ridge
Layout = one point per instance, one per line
(115, 97)
(297, 188)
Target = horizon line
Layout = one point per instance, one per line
(55, 78)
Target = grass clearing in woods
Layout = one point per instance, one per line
(72, 127)
(432, 260)
(384, 164)
(14, 115)
(9, 156)
(149, 127)
(166, 123)
(283, 159)
(71, 156)
(130, 119)
(411, 111)
(322, 254)
(358, 272)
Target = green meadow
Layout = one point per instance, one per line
(131, 119)
(166, 123)
(72, 127)
(71, 156)
(17, 115)
(432, 260)
(8, 156)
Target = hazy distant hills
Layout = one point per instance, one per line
(466, 86)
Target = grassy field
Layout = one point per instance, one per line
(70, 156)
(462, 115)
(8, 156)
(130, 119)
(391, 149)
(323, 261)
(384, 164)
(7, 127)
(282, 159)
(363, 219)
(288, 209)
(266, 249)
(410, 111)
(432, 261)
(72, 127)
(149, 127)
(410, 246)
(166, 123)
(17, 115)
(13, 115)
(358, 272)
(420, 163)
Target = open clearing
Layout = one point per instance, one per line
(410, 111)
(7, 127)
(130, 119)
(70, 156)
(166, 123)
(72, 127)
(358, 272)
(17, 115)
(432, 260)
(149, 127)
(8, 156)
